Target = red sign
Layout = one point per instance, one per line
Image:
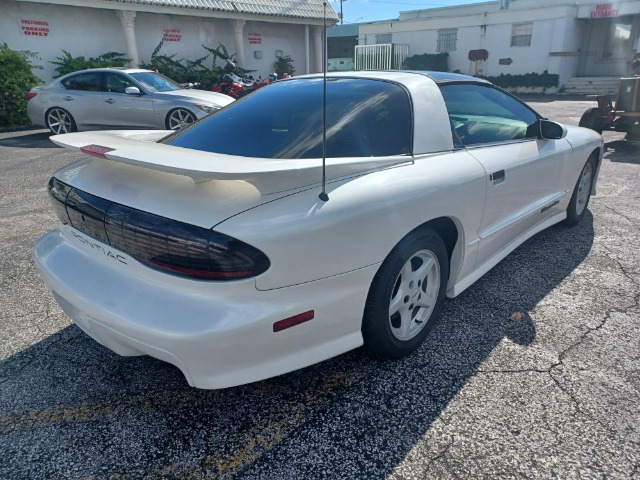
(604, 10)
(171, 34)
(254, 38)
(35, 28)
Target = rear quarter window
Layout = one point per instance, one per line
(365, 118)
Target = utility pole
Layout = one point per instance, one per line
(341, 14)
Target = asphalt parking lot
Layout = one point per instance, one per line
(533, 372)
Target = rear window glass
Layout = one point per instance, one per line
(365, 118)
(91, 82)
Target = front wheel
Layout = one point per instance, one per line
(60, 121)
(581, 193)
(406, 296)
(178, 118)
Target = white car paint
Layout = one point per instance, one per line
(323, 255)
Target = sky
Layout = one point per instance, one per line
(371, 10)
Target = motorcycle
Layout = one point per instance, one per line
(236, 87)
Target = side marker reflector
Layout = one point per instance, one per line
(293, 321)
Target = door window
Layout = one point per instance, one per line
(117, 83)
(481, 114)
(91, 82)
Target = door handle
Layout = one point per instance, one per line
(68, 99)
(497, 177)
(111, 100)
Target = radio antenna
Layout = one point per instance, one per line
(323, 195)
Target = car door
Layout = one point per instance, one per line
(125, 110)
(523, 172)
(81, 96)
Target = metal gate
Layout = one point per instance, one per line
(388, 56)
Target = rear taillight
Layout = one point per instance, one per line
(30, 95)
(158, 242)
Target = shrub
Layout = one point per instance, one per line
(67, 63)
(16, 79)
(194, 71)
(284, 65)
(545, 79)
(436, 62)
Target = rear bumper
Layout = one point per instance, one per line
(219, 334)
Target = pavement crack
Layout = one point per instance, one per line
(627, 218)
(440, 455)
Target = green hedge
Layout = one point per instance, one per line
(16, 79)
(436, 62)
(545, 79)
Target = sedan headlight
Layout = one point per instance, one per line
(207, 108)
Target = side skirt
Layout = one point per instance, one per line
(470, 279)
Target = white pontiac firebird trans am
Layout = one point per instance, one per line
(226, 249)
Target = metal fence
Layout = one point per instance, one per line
(388, 56)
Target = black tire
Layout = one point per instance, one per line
(178, 118)
(397, 279)
(59, 121)
(592, 119)
(581, 193)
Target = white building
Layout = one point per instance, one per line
(256, 31)
(583, 38)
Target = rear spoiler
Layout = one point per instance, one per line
(140, 149)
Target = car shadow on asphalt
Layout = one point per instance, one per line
(353, 416)
(32, 140)
(623, 151)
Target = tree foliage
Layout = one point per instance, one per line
(16, 79)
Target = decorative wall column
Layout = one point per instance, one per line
(128, 19)
(318, 44)
(307, 50)
(238, 36)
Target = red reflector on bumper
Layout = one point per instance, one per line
(293, 321)
(96, 150)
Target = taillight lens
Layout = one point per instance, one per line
(158, 242)
(30, 95)
(58, 192)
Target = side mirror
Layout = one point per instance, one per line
(132, 91)
(552, 130)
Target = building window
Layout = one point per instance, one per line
(447, 38)
(618, 41)
(521, 34)
(383, 38)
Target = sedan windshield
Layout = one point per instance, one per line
(156, 82)
(364, 118)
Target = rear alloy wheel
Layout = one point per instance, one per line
(581, 193)
(406, 296)
(60, 121)
(179, 118)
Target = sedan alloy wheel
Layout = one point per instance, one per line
(179, 118)
(60, 121)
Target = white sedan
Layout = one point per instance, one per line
(226, 248)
